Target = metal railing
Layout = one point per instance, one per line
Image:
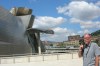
(18, 58)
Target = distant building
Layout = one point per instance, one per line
(73, 38)
(72, 43)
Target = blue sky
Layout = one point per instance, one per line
(65, 17)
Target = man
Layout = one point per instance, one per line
(90, 52)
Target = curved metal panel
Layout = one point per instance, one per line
(12, 34)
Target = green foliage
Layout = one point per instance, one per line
(96, 33)
(62, 45)
(51, 44)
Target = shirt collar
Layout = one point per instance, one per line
(89, 44)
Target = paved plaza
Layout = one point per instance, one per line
(43, 60)
(71, 62)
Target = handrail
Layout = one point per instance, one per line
(18, 58)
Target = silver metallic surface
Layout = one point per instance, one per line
(16, 33)
(13, 38)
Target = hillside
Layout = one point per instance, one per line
(96, 33)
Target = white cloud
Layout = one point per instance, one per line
(86, 24)
(80, 10)
(59, 30)
(86, 31)
(98, 3)
(83, 32)
(47, 22)
(60, 35)
(90, 24)
(74, 20)
(72, 34)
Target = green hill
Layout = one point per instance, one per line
(96, 33)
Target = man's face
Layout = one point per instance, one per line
(87, 39)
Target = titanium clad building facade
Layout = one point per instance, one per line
(13, 34)
(16, 33)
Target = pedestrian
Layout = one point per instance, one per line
(90, 52)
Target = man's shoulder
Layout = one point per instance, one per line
(94, 44)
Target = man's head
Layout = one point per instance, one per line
(87, 38)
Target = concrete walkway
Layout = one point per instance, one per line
(70, 62)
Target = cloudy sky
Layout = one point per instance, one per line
(64, 17)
